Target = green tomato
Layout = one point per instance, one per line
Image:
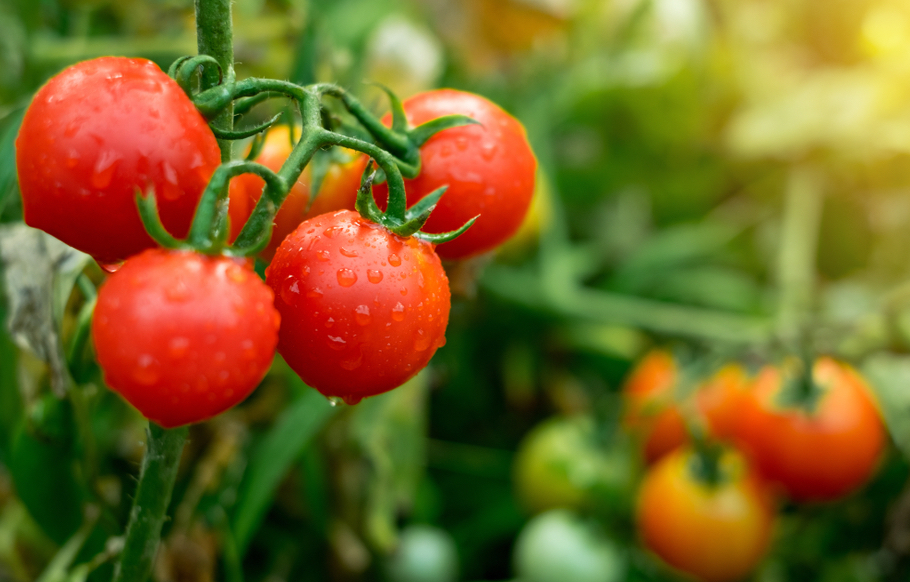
(558, 546)
(424, 554)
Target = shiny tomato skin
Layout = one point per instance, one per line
(651, 413)
(713, 533)
(363, 310)
(489, 169)
(719, 400)
(818, 456)
(337, 192)
(95, 133)
(183, 336)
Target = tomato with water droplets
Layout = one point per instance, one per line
(96, 133)
(337, 191)
(362, 309)
(184, 336)
(489, 170)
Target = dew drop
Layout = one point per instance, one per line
(404, 290)
(178, 347)
(461, 143)
(422, 342)
(330, 322)
(440, 342)
(352, 362)
(362, 315)
(72, 159)
(331, 231)
(146, 370)
(178, 292)
(314, 293)
(374, 276)
(105, 166)
(249, 349)
(398, 312)
(290, 291)
(394, 260)
(336, 343)
(346, 277)
(335, 401)
(348, 252)
(488, 150)
(352, 399)
(322, 256)
(110, 268)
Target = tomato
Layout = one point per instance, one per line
(362, 309)
(337, 192)
(560, 463)
(714, 532)
(184, 336)
(653, 407)
(651, 414)
(96, 133)
(817, 455)
(424, 553)
(488, 168)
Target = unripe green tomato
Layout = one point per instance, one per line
(558, 546)
(424, 554)
(561, 464)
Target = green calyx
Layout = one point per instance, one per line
(800, 390)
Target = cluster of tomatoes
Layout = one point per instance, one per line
(807, 436)
(183, 335)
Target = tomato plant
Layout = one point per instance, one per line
(183, 336)
(362, 309)
(489, 170)
(714, 529)
(337, 191)
(815, 450)
(96, 133)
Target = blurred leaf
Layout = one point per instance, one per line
(39, 273)
(889, 376)
(9, 128)
(271, 459)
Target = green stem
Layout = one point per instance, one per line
(796, 258)
(153, 495)
(215, 37)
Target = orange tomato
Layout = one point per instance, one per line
(714, 532)
(822, 453)
(337, 192)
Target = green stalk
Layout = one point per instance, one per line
(156, 481)
(215, 37)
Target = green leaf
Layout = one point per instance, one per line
(292, 433)
(420, 134)
(889, 376)
(9, 128)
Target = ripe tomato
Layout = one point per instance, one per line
(183, 336)
(653, 408)
(819, 455)
(337, 192)
(716, 533)
(489, 169)
(93, 135)
(362, 309)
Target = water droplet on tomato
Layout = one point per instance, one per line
(314, 293)
(178, 292)
(346, 277)
(404, 290)
(331, 231)
(446, 151)
(109, 267)
(330, 322)
(178, 347)
(374, 276)
(440, 342)
(72, 158)
(322, 256)
(398, 312)
(422, 342)
(488, 150)
(334, 401)
(105, 166)
(290, 291)
(352, 362)
(461, 143)
(336, 343)
(348, 252)
(352, 399)
(146, 370)
(394, 260)
(362, 315)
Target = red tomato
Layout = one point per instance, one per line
(93, 135)
(337, 192)
(183, 336)
(489, 169)
(819, 455)
(715, 533)
(653, 407)
(362, 309)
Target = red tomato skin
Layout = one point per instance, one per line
(95, 133)
(715, 534)
(821, 456)
(183, 336)
(363, 310)
(337, 192)
(651, 413)
(489, 169)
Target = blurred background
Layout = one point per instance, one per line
(671, 136)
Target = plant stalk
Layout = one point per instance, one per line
(153, 495)
(215, 37)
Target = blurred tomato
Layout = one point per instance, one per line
(819, 451)
(337, 192)
(713, 531)
(424, 554)
(560, 463)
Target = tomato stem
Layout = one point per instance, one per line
(215, 37)
(153, 494)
